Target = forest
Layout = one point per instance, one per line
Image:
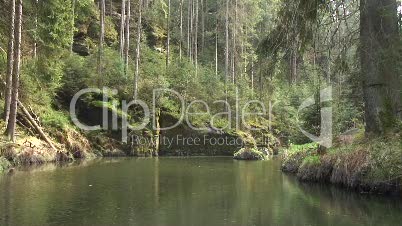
(316, 84)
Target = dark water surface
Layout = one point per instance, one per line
(182, 192)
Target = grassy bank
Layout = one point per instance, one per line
(367, 165)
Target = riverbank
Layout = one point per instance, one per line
(366, 165)
(69, 144)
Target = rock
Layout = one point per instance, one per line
(81, 48)
(114, 153)
(250, 154)
(64, 157)
(348, 137)
(11, 171)
(79, 154)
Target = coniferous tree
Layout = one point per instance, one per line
(181, 30)
(122, 26)
(381, 83)
(101, 40)
(73, 25)
(16, 73)
(168, 35)
(10, 62)
(127, 38)
(137, 51)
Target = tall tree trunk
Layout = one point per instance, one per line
(73, 25)
(203, 12)
(234, 45)
(226, 53)
(101, 40)
(122, 23)
(261, 84)
(10, 62)
(381, 83)
(137, 51)
(127, 37)
(189, 28)
(227, 42)
(196, 36)
(293, 65)
(35, 44)
(168, 37)
(216, 45)
(252, 76)
(111, 7)
(16, 73)
(181, 31)
(243, 55)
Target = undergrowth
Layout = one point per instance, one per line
(370, 165)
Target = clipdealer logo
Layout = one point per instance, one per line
(236, 118)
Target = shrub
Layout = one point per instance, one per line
(4, 164)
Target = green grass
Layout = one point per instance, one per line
(55, 119)
(311, 161)
(310, 147)
(372, 163)
(386, 159)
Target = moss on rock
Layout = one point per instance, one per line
(250, 154)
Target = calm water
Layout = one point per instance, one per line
(182, 192)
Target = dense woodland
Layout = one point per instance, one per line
(274, 51)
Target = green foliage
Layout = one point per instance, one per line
(386, 159)
(55, 24)
(311, 147)
(81, 72)
(4, 164)
(55, 119)
(288, 119)
(3, 61)
(30, 85)
(111, 35)
(375, 163)
(75, 75)
(112, 71)
(85, 11)
(311, 161)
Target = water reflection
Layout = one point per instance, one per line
(181, 191)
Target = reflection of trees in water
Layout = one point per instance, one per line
(5, 202)
(196, 191)
(74, 164)
(369, 209)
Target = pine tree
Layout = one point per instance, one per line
(16, 73)
(10, 62)
(127, 38)
(137, 51)
(101, 40)
(381, 82)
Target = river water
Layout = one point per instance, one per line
(182, 192)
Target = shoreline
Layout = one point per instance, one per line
(356, 167)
